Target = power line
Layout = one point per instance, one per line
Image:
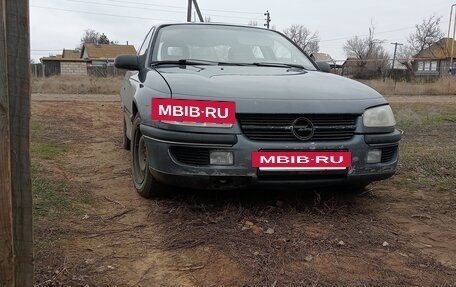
(146, 4)
(365, 35)
(154, 9)
(230, 11)
(103, 14)
(234, 17)
(376, 33)
(180, 7)
(116, 15)
(123, 6)
(133, 17)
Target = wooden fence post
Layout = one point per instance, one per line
(15, 145)
(6, 203)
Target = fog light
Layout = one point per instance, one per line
(221, 157)
(374, 156)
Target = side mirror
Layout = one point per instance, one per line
(127, 62)
(324, 67)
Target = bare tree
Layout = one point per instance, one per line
(405, 56)
(369, 53)
(303, 37)
(253, 23)
(426, 34)
(90, 36)
(405, 53)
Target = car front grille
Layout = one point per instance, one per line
(388, 153)
(279, 127)
(190, 155)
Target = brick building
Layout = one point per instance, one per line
(67, 63)
(93, 59)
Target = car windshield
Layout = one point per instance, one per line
(227, 45)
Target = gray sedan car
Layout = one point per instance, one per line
(215, 106)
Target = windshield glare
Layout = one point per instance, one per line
(227, 44)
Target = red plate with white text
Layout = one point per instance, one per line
(301, 160)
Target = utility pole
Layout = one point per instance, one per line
(16, 242)
(454, 31)
(268, 19)
(198, 11)
(394, 55)
(189, 11)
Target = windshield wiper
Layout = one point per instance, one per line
(285, 65)
(184, 62)
(213, 63)
(216, 63)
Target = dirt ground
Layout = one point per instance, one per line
(99, 232)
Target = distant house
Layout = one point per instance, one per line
(435, 60)
(363, 69)
(399, 72)
(350, 67)
(71, 54)
(67, 63)
(103, 55)
(93, 59)
(323, 57)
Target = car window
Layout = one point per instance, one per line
(281, 52)
(257, 52)
(229, 44)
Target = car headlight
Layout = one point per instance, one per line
(195, 124)
(379, 117)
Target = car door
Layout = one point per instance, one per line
(131, 83)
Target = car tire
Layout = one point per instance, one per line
(145, 184)
(126, 142)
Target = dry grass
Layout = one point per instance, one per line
(111, 85)
(76, 85)
(443, 86)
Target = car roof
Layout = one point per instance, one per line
(208, 24)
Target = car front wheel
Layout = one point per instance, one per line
(143, 180)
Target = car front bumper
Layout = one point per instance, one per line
(167, 168)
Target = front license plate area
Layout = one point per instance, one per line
(308, 169)
(292, 161)
(301, 175)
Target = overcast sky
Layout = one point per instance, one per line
(58, 24)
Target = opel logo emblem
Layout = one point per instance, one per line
(302, 128)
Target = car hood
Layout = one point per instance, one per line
(271, 89)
